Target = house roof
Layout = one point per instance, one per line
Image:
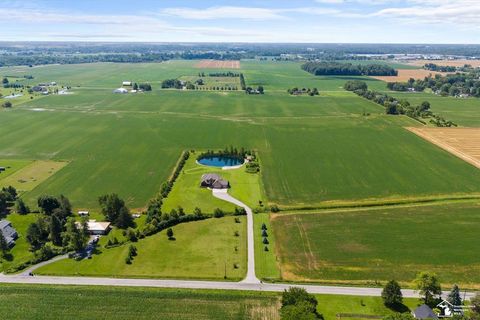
(9, 233)
(215, 181)
(424, 312)
(94, 225)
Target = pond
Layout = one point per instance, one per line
(216, 161)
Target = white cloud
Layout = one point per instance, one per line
(458, 12)
(224, 13)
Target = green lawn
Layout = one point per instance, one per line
(20, 252)
(202, 250)
(188, 194)
(81, 302)
(266, 265)
(377, 245)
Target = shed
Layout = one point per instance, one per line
(127, 83)
(424, 312)
(8, 232)
(120, 90)
(83, 213)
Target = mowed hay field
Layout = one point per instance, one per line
(406, 74)
(313, 149)
(365, 246)
(82, 302)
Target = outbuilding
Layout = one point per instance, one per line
(127, 83)
(83, 213)
(120, 90)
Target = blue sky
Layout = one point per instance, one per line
(364, 21)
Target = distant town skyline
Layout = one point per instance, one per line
(303, 21)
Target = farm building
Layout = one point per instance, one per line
(83, 213)
(120, 90)
(214, 181)
(127, 83)
(97, 228)
(424, 312)
(2, 169)
(8, 232)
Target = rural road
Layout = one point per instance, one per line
(189, 284)
(223, 195)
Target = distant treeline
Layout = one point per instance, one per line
(435, 67)
(330, 68)
(394, 106)
(459, 84)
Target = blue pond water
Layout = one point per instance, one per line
(220, 161)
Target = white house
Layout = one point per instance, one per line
(120, 90)
(97, 228)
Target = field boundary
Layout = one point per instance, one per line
(445, 146)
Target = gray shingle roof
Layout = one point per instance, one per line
(424, 312)
(8, 232)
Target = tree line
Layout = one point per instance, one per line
(330, 68)
(394, 106)
(466, 84)
(437, 68)
(307, 91)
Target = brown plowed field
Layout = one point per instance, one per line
(462, 142)
(218, 64)
(405, 74)
(453, 63)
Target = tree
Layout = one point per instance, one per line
(65, 206)
(124, 219)
(7, 104)
(5, 80)
(21, 207)
(392, 294)
(10, 192)
(76, 237)
(3, 203)
(4, 248)
(475, 302)
(111, 205)
(297, 303)
(47, 204)
(170, 233)
(454, 296)
(37, 234)
(260, 89)
(218, 213)
(135, 86)
(197, 211)
(56, 228)
(428, 286)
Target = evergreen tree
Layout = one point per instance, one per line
(4, 249)
(169, 233)
(21, 207)
(124, 219)
(454, 296)
(56, 229)
(392, 294)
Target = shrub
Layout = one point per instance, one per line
(265, 241)
(218, 213)
(274, 208)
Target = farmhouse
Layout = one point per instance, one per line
(424, 312)
(8, 232)
(120, 90)
(214, 181)
(97, 228)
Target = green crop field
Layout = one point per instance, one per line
(377, 245)
(464, 112)
(202, 249)
(84, 302)
(313, 149)
(81, 302)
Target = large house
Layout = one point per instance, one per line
(97, 228)
(8, 232)
(214, 181)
